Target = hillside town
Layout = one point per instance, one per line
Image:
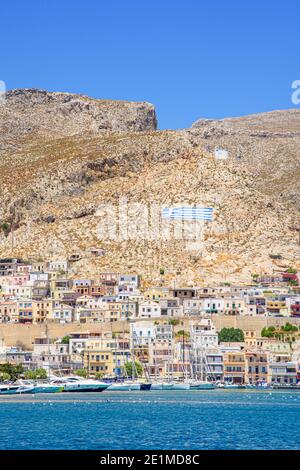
(115, 326)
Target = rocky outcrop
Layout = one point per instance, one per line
(67, 157)
(267, 145)
(31, 113)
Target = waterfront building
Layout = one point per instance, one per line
(256, 368)
(234, 367)
(106, 355)
(283, 373)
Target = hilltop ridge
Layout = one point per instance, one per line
(33, 113)
(55, 176)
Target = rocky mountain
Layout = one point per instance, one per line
(67, 175)
(29, 114)
(267, 145)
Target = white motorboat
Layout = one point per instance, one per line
(42, 386)
(170, 386)
(201, 385)
(15, 389)
(129, 386)
(180, 386)
(78, 384)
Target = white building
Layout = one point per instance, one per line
(203, 334)
(143, 333)
(149, 309)
(59, 265)
(18, 292)
(63, 312)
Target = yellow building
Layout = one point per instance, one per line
(98, 360)
(276, 307)
(256, 367)
(9, 311)
(157, 293)
(106, 355)
(41, 310)
(234, 367)
(114, 311)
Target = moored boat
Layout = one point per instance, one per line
(234, 386)
(78, 384)
(129, 386)
(15, 389)
(161, 386)
(202, 385)
(41, 386)
(124, 387)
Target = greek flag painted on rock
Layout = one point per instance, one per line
(188, 213)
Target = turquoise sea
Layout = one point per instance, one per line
(217, 419)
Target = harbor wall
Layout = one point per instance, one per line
(24, 335)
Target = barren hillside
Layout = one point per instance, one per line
(53, 184)
(267, 145)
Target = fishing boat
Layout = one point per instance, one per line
(78, 384)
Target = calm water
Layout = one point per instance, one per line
(216, 419)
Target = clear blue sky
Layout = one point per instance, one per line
(191, 58)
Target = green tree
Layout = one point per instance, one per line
(182, 333)
(138, 368)
(99, 375)
(65, 340)
(162, 271)
(288, 327)
(231, 335)
(37, 374)
(41, 373)
(5, 228)
(4, 376)
(82, 373)
(173, 321)
(13, 371)
(29, 375)
(268, 332)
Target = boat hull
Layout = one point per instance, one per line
(84, 388)
(170, 386)
(16, 390)
(145, 387)
(180, 386)
(52, 389)
(205, 386)
(124, 387)
(235, 386)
